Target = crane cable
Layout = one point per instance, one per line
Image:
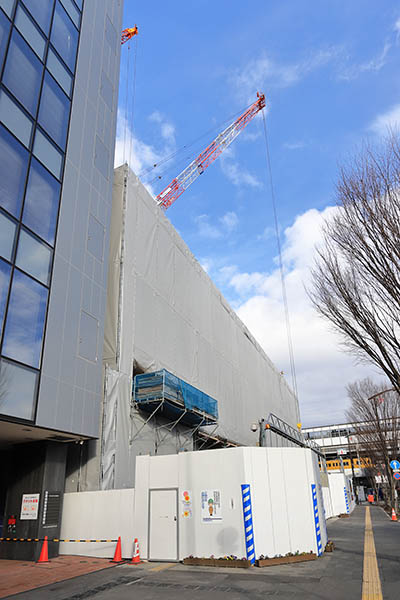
(133, 100)
(126, 101)
(186, 147)
(282, 275)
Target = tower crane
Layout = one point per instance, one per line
(180, 183)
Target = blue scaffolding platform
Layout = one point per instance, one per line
(174, 398)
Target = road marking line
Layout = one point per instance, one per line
(134, 581)
(163, 567)
(371, 584)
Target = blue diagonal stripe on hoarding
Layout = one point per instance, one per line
(248, 522)
(347, 500)
(316, 519)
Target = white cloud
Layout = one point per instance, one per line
(207, 229)
(236, 173)
(226, 225)
(374, 64)
(397, 27)
(294, 145)
(263, 72)
(229, 221)
(139, 155)
(323, 369)
(390, 119)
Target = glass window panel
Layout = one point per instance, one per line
(5, 271)
(23, 73)
(59, 72)
(64, 36)
(13, 167)
(72, 11)
(79, 3)
(34, 257)
(41, 202)
(18, 387)
(4, 30)
(15, 119)
(7, 6)
(54, 111)
(30, 32)
(47, 153)
(23, 334)
(7, 236)
(41, 11)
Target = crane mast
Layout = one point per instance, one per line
(204, 160)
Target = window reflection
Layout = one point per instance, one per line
(15, 119)
(64, 37)
(47, 153)
(59, 72)
(4, 28)
(18, 386)
(72, 11)
(54, 111)
(30, 32)
(13, 167)
(7, 236)
(23, 72)
(41, 11)
(23, 333)
(34, 257)
(5, 271)
(41, 202)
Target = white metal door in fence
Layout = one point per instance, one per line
(163, 525)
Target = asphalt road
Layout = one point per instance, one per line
(335, 576)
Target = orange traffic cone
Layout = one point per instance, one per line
(44, 554)
(117, 554)
(394, 518)
(136, 555)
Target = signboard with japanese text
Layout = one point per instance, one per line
(29, 507)
(211, 506)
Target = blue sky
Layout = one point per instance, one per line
(330, 73)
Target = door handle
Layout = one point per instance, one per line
(175, 518)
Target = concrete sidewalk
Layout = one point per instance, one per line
(335, 576)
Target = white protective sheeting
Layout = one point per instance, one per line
(170, 315)
(98, 515)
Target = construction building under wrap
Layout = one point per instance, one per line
(201, 378)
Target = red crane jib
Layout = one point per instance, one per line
(213, 150)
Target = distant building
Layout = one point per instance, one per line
(59, 73)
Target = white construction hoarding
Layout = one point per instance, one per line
(282, 485)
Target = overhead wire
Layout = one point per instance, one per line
(281, 270)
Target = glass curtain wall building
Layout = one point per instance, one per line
(39, 44)
(59, 72)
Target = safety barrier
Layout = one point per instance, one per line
(3, 539)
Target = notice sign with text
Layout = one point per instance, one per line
(29, 507)
(211, 505)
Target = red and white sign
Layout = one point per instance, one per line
(29, 507)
